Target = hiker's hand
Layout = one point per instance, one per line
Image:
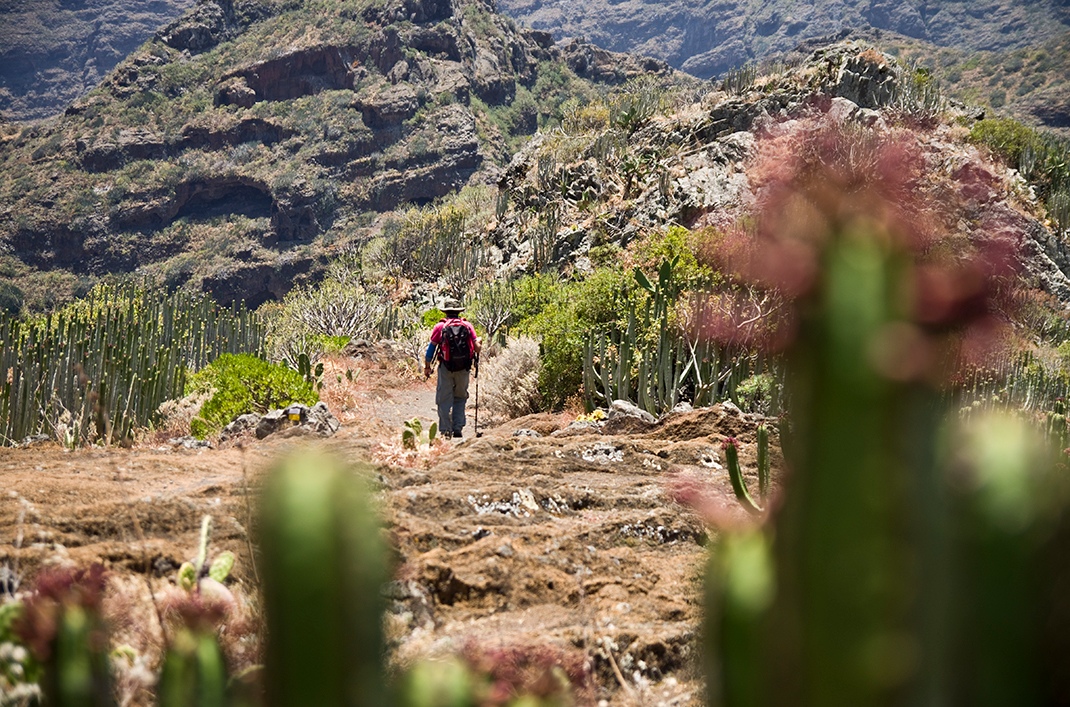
(427, 371)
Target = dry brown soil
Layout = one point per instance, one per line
(570, 540)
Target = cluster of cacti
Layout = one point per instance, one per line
(313, 375)
(651, 362)
(911, 558)
(544, 237)
(102, 366)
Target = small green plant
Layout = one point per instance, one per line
(190, 574)
(413, 437)
(243, 383)
(313, 375)
(756, 393)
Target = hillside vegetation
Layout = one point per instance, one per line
(1029, 83)
(233, 150)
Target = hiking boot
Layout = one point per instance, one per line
(458, 435)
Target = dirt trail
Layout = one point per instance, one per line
(532, 535)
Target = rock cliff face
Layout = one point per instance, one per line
(229, 152)
(707, 38)
(53, 51)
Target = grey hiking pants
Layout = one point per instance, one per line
(451, 394)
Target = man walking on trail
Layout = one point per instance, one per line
(455, 345)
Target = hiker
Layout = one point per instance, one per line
(455, 345)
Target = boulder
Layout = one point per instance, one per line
(316, 420)
(245, 423)
(625, 408)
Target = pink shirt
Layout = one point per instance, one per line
(436, 333)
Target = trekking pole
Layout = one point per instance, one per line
(478, 433)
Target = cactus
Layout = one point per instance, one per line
(651, 362)
(763, 462)
(735, 474)
(313, 375)
(903, 561)
(190, 573)
(322, 564)
(62, 624)
(1058, 431)
(413, 437)
(194, 671)
(107, 362)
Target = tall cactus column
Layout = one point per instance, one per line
(878, 578)
(323, 566)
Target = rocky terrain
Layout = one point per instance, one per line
(540, 534)
(54, 51)
(702, 166)
(237, 152)
(709, 38)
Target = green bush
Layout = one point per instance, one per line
(432, 317)
(567, 313)
(11, 298)
(1006, 136)
(244, 383)
(755, 394)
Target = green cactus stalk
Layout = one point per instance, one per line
(322, 564)
(763, 462)
(735, 474)
(194, 671)
(899, 576)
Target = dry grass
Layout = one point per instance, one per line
(510, 382)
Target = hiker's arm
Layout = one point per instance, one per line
(429, 356)
(477, 345)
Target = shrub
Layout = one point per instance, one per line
(243, 383)
(318, 320)
(755, 394)
(11, 298)
(432, 317)
(511, 381)
(571, 310)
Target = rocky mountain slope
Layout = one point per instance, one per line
(251, 142)
(1031, 83)
(708, 38)
(598, 184)
(232, 150)
(54, 51)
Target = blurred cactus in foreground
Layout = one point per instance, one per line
(322, 565)
(62, 625)
(194, 671)
(901, 566)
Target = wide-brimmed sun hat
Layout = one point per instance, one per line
(452, 305)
